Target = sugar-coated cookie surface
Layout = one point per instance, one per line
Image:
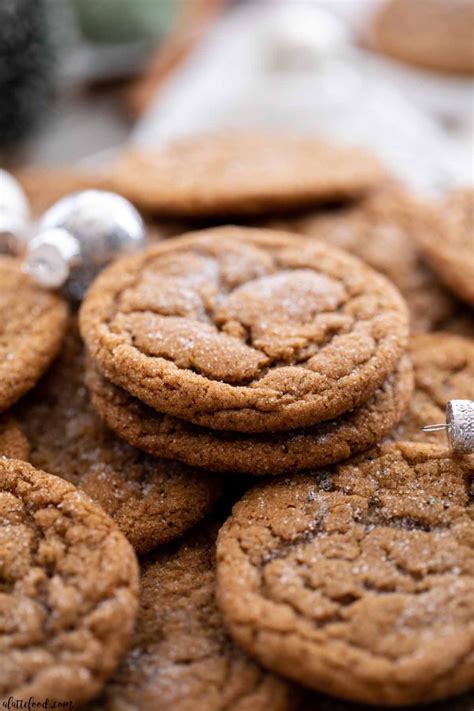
(13, 442)
(69, 589)
(358, 581)
(151, 500)
(245, 329)
(181, 658)
(247, 453)
(33, 322)
(242, 173)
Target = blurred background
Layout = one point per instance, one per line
(79, 79)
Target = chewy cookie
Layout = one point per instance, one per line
(13, 442)
(245, 329)
(69, 589)
(358, 582)
(436, 34)
(247, 453)
(151, 500)
(242, 174)
(32, 325)
(444, 370)
(383, 230)
(181, 657)
(452, 255)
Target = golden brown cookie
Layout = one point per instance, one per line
(247, 453)
(237, 174)
(32, 325)
(245, 329)
(13, 442)
(181, 657)
(151, 500)
(69, 589)
(444, 370)
(436, 34)
(383, 230)
(451, 254)
(358, 581)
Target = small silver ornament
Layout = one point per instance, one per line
(78, 236)
(459, 426)
(14, 215)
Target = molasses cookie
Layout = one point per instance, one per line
(181, 657)
(452, 255)
(444, 370)
(69, 589)
(384, 230)
(151, 500)
(13, 442)
(242, 174)
(358, 581)
(247, 453)
(32, 325)
(245, 330)
(436, 34)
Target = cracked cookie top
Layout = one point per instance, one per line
(241, 173)
(444, 370)
(181, 656)
(67, 576)
(358, 581)
(452, 254)
(151, 500)
(245, 329)
(32, 325)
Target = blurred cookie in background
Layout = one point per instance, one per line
(451, 254)
(435, 34)
(242, 173)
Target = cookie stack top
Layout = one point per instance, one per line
(245, 330)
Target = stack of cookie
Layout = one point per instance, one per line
(243, 350)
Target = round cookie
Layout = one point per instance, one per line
(69, 589)
(245, 329)
(151, 500)
(383, 230)
(13, 442)
(181, 657)
(436, 34)
(247, 453)
(243, 174)
(358, 582)
(444, 370)
(452, 255)
(32, 325)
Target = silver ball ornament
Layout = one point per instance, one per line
(14, 214)
(459, 426)
(78, 236)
